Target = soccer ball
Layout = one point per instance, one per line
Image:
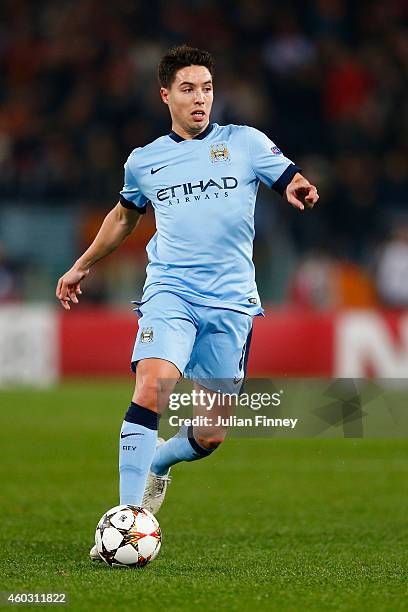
(128, 536)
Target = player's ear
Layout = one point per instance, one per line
(164, 94)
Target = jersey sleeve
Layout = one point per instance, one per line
(131, 197)
(268, 162)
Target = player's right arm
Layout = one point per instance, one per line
(116, 227)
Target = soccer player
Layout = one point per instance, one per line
(200, 296)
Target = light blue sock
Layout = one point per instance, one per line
(181, 447)
(137, 445)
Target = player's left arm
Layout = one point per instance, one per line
(278, 172)
(301, 193)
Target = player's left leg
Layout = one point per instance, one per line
(218, 362)
(192, 444)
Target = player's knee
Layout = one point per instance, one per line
(147, 392)
(155, 380)
(210, 441)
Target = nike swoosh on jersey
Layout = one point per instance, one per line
(131, 434)
(153, 171)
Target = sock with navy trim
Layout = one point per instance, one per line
(181, 447)
(137, 446)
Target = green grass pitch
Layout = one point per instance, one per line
(261, 525)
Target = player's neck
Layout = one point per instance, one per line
(177, 129)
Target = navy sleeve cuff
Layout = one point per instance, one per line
(285, 178)
(130, 206)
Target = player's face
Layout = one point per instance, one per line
(189, 99)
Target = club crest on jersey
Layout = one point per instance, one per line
(276, 150)
(219, 152)
(146, 335)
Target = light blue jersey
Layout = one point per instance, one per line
(203, 192)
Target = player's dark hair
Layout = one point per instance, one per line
(180, 57)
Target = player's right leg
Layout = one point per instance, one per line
(162, 349)
(164, 341)
(155, 380)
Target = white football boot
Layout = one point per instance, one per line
(93, 554)
(156, 488)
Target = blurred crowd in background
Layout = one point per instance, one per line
(325, 79)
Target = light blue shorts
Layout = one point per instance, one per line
(208, 345)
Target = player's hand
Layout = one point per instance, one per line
(300, 193)
(68, 287)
